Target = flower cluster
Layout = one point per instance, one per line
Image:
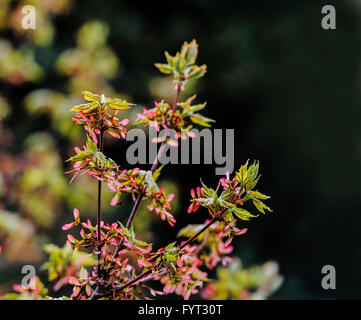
(160, 203)
(234, 194)
(138, 181)
(182, 273)
(211, 247)
(134, 181)
(226, 209)
(184, 276)
(100, 114)
(92, 161)
(163, 116)
(118, 268)
(177, 268)
(182, 115)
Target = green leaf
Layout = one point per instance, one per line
(132, 233)
(229, 215)
(110, 163)
(88, 289)
(157, 172)
(224, 197)
(243, 214)
(196, 72)
(242, 174)
(118, 104)
(80, 156)
(199, 107)
(170, 60)
(208, 191)
(170, 246)
(164, 68)
(210, 196)
(190, 51)
(201, 120)
(206, 201)
(187, 104)
(259, 195)
(173, 266)
(125, 230)
(252, 184)
(260, 205)
(171, 256)
(179, 63)
(85, 108)
(91, 145)
(99, 158)
(253, 170)
(89, 96)
(141, 243)
(83, 273)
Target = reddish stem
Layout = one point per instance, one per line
(198, 233)
(101, 144)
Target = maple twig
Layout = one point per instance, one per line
(154, 167)
(149, 271)
(101, 146)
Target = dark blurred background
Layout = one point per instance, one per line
(290, 89)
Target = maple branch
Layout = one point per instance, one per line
(149, 271)
(101, 146)
(214, 219)
(154, 167)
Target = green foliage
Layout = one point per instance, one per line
(191, 111)
(182, 66)
(63, 260)
(100, 101)
(130, 234)
(235, 193)
(177, 266)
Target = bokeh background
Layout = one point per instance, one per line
(290, 89)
